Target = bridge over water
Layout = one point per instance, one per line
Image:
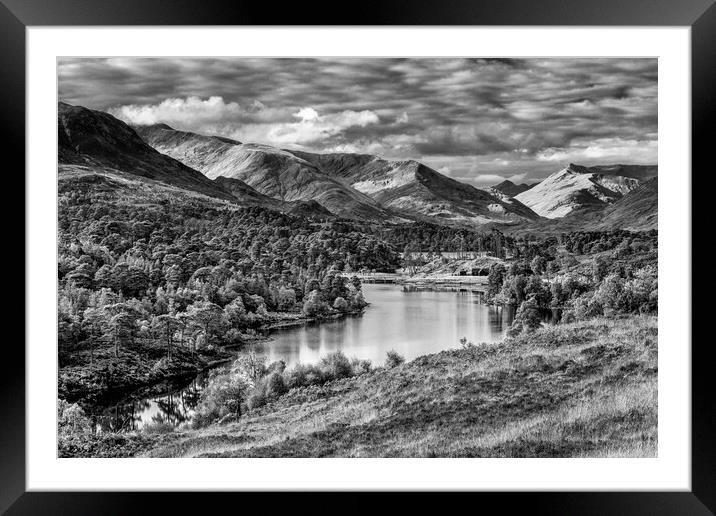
(472, 283)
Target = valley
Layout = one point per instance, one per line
(266, 272)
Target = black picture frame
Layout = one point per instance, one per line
(17, 15)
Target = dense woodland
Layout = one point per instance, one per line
(433, 238)
(580, 275)
(191, 273)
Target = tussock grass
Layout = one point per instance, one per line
(586, 389)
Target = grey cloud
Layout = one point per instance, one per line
(469, 117)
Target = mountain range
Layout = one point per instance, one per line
(348, 185)
(357, 186)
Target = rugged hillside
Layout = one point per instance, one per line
(98, 140)
(273, 172)
(510, 189)
(416, 190)
(575, 188)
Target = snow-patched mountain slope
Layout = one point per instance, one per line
(575, 188)
(271, 171)
(416, 190)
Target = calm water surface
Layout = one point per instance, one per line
(411, 322)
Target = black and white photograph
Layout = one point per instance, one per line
(354, 257)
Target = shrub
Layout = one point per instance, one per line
(585, 306)
(286, 298)
(568, 317)
(568, 261)
(538, 290)
(223, 396)
(235, 312)
(250, 367)
(313, 305)
(357, 299)
(296, 376)
(528, 315)
(393, 359)
(360, 366)
(273, 385)
(515, 328)
(600, 267)
(495, 279)
(640, 293)
(158, 427)
(552, 267)
(465, 344)
(71, 419)
(340, 304)
(256, 399)
(609, 295)
(232, 336)
(276, 367)
(538, 264)
(335, 366)
(302, 375)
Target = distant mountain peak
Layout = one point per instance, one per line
(510, 189)
(577, 169)
(159, 125)
(574, 188)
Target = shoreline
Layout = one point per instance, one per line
(95, 385)
(300, 321)
(556, 361)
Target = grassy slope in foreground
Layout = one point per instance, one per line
(581, 389)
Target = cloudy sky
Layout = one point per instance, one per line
(477, 120)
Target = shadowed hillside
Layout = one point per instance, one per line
(97, 139)
(509, 188)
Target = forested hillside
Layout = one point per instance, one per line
(141, 263)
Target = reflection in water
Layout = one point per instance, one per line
(410, 321)
(413, 322)
(173, 407)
